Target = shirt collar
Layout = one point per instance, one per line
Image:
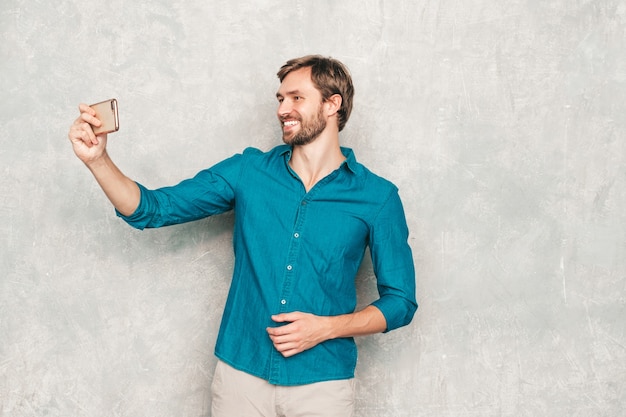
(350, 161)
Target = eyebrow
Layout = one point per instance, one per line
(289, 93)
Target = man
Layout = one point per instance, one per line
(304, 214)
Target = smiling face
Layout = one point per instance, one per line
(300, 109)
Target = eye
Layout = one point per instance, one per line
(297, 98)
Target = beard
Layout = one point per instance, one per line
(309, 130)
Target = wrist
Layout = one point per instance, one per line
(97, 162)
(332, 325)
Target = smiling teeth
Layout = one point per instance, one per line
(290, 123)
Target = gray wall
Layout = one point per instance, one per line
(502, 122)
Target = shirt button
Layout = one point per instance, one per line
(289, 267)
(296, 235)
(283, 302)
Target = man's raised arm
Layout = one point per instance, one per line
(123, 192)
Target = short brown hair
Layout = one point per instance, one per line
(329, 76)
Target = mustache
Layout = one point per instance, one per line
(290, 117)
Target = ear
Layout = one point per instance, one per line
(333, 104)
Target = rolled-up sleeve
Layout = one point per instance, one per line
(392, 260)
(210, 192)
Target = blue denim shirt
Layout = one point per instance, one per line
(295, 251)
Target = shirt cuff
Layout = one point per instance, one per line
(398, 311)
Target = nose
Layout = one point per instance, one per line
(284, 108)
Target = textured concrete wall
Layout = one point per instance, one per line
(502, 122)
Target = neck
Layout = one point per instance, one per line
(316, 160)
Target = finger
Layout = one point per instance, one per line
(84, 108)
(91, 119)
(279, 318)
(289, 328)
(87, 133)
(90, 135)
(279, 339)
(278, 331)
(284, 317)
(87, 114)
(83, 133)
(289, 352)
(282, 347)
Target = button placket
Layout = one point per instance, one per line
(294, 247)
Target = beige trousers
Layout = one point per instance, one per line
(238, 394)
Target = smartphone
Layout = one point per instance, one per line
(106, 112)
